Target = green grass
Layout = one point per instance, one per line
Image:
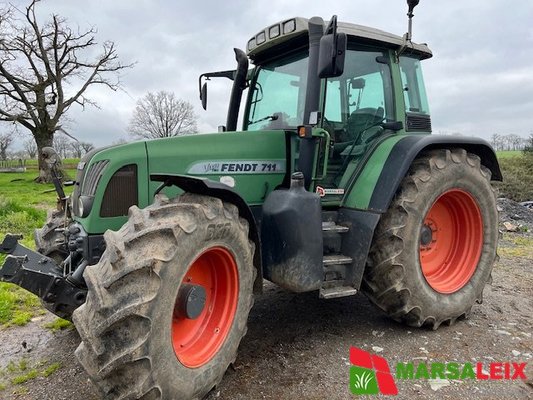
(59, 324)
(517, 173)
(17, 306)
(508, 154)
(20, 189)
(23, 208)
(514, 245)
(67, 163)
(20, 379)
(21, 372)
(51, 369)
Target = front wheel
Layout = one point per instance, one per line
(168, 302)
(50, 239)
(434, 249)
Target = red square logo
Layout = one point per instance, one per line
(360, 358)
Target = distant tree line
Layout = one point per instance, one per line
(508, 142)
(65, 147)
(528, 148)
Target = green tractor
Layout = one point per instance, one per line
(334, 184)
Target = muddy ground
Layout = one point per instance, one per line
(297, 346)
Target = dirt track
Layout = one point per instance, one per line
(297, 346)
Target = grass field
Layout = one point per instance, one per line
(508, 154)
(23, 208)
(517, 170)
(69, 163)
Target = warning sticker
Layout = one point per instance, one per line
(237, 167)
(325, 191)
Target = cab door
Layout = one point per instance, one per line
(355, 106)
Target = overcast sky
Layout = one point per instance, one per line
(479, 81)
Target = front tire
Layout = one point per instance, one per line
(50, 239)
(434, 249)
(141, 338)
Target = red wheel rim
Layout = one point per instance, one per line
(196, 341)
(451, 241)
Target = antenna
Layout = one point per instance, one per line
(412, 4)
(407, 37)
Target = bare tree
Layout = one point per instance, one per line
(528, 145)
(5, 141)
(45, 69)
(62, 145)
(161, 114)
(497, 141)
(87, 147)
(80, 148)
(515, 141)
(30, 147)
(507, 142)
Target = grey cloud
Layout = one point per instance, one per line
(478, 80)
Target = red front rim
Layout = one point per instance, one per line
(196, 341)
(451, 241)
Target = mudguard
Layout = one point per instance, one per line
(373, 190)
(208, 187)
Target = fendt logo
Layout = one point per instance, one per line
(370, 374)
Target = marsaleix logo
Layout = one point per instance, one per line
(370, 374)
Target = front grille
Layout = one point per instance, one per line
(81, 176)
(90, 183)
(418, 122)
(120, 193)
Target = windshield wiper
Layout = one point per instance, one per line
(267, 118)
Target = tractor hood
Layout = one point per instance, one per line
(111, 179)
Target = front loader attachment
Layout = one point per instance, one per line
(41, 276)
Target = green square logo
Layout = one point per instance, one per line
(363, 381)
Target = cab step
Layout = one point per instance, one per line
(336, 259)
(332, 227)
(336, 265)
(335, 292)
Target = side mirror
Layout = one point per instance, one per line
(331, 55)
(203, 95)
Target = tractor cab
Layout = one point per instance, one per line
(355, 110)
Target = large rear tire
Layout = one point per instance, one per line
(169, 300)
(434, 249)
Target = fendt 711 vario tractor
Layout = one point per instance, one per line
(334, 185)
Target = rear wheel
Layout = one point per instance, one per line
(169, 300)
(434, 249)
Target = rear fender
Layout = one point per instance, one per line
(396, 163)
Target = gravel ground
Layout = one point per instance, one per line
(298, 346)
(516, 214)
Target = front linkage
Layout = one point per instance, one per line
(40, 275)
(60, 292)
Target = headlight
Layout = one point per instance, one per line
(80, 208)
(85, 203)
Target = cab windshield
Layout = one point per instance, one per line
(361, 96)
(277, 98)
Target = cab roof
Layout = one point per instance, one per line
(283, 31)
